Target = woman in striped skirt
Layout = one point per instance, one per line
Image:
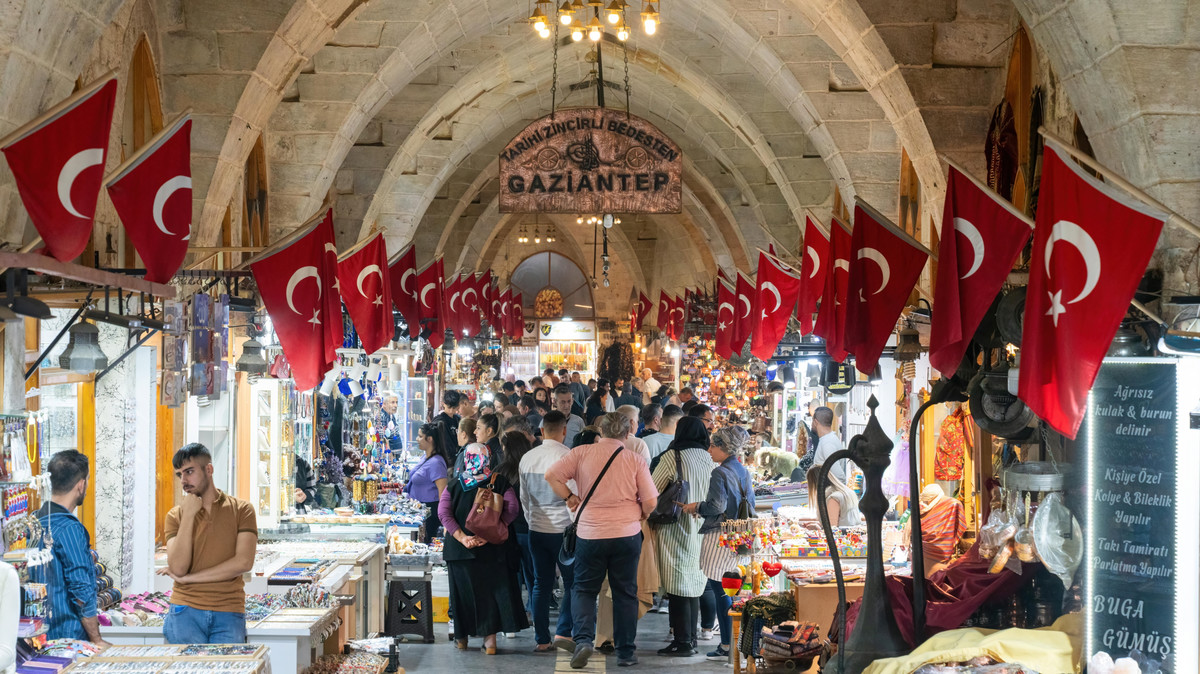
(728, 486)
(679, 543)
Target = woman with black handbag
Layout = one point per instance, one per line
(485, 596)
(682, 470)
(730, 497)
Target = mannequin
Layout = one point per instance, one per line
(10, 609)
(954, 439)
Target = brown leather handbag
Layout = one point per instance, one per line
(484, 520)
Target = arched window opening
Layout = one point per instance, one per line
(553, 287)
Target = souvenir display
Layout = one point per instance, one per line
(721, 384)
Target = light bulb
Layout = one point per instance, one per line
(537, 239)
(577, 31)
(605, 281)
(564, 13)
(623, 33)
(594, 35)
(544, 34)
(579, 221)
(565, 19)
(650, 25)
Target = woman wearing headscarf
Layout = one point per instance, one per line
(484, 594)
(728, 485)
(599, 403)
(841, 500)
(679, 543)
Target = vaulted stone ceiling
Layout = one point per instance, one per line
(393, 111)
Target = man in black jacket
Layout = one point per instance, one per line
(449, 419)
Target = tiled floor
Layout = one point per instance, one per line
(516, 656)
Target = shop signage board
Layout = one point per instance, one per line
(567, 331)
(591, 160)
(1129, 439)
(529, 334)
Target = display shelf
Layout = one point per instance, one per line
(522, 362)
(416, 406)
(273, 450)
(574, 356)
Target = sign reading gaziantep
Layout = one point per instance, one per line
(591, 160)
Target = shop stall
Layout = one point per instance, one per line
(567, 344)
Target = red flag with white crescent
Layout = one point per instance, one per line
(153, 196)
(452, 310)
(645, 304)
(831, 318)
(335, 329)
(982, 235)
(294, 291)
(664, 311)
(403, 276)
(505, 320)
(778, 288)
(518, 317)
(746, 308)
(885, 265)
(495, 318)
(367, 295)
(429, 303)
(726, 299)
(812, 273)
(1090, 250)
(58, 165)
(472, 300)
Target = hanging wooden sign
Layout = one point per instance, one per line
(591, 160)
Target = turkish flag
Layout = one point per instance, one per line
(664, 311)
(335, 329)
(496, 305)
(367, 295)
(982, 235)
(726, 298)
(403, 273)
(485, 298)
(885, 264)
(471, 300)
(1090, 249)
(452, 310)
(778, 288)
(831, 319)
(505, 312)
(679, 317)
(294, 292)
(645, 304)
(722, 276)
(812, 272)
(153, 196)
(745, 309)
(518, 317)
(58, 165)
(429, 282)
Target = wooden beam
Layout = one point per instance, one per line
(48, 265)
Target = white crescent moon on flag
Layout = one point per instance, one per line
(722, 308)
(404, 281)
(877, 257)
(464, 296)
(1069, 232)
(77, 164)
(298, 276)
(681, 311)
(842, 264)
(770, 287)
(816, 261)
(504, 309)
(973, 236)
(362, 276)
(743, 298)
(160, 200)
(453, 297)
(425, 291)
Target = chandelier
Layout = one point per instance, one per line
(549, 237)
(571, 14)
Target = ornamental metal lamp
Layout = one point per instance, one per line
(876, 634)
(83, 353)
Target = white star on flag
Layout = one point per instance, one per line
(1056, 306)
(316, 319)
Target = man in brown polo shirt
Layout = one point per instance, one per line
(211, 539)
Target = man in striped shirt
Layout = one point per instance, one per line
(72, 577)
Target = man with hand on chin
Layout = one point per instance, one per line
(211, 540)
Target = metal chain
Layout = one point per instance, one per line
(625, 54)
(554, 76)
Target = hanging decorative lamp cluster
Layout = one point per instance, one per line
(584, 18)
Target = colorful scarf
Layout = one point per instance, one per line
(475, 465)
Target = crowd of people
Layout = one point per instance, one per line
(557, 454)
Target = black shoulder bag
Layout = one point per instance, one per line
(566, 554)
(672, 498)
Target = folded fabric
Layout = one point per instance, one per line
(1048, 649)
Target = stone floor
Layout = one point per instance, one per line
(516, 656)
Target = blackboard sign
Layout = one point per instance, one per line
(1129, 443)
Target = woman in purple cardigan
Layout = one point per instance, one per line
(483, 601)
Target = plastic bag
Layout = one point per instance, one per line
(1000, 528)
(1057, 538)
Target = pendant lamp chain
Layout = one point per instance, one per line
(625, 55)
(554, 75)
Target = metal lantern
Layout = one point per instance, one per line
(251, 360)
(908, 347)
(83, 353)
